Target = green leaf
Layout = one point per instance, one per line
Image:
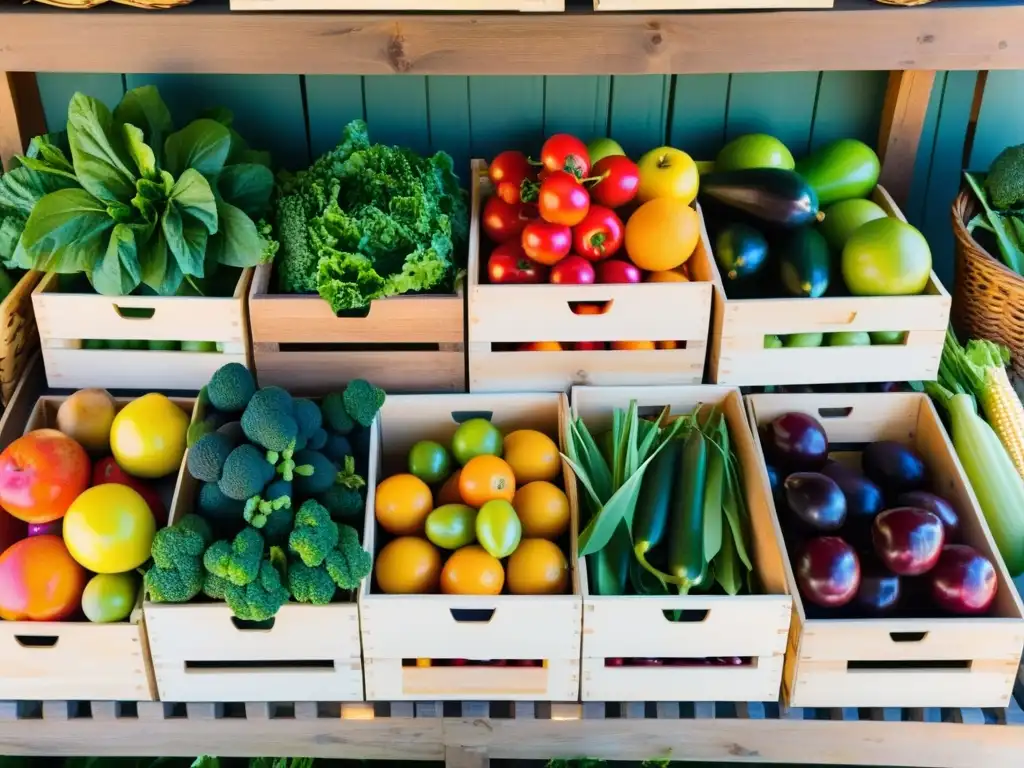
(727, 568)
(141, 152)
(118, 273)
(23, 187)
(238, 242)
(40, 165)
(186, 240)
(65, 232)
(158, 268)
(193, 196)
(143, 107)
(713, 484)
(97, 150)
(732, 495)
(52, 149)
(202, 144)
(592, 460)
(247, 186)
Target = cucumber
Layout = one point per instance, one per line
(608, 568)
(654, 501)
(740, 251)
(686, 564)
(805, 264)
(771, 194)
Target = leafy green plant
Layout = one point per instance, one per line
(139, 203)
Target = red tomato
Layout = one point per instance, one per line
(618, 271)
(40, 581)
(507, 172)
(599, 235)
(503, 221)
(563, 152)
(108, 471)
(573, 270)
(545, 242)
(510, 264)
(589, 346)
(621, 179)
(41, 473)
(561, 199)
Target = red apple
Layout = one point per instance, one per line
(618, 271)
(573, 270)
(108, 471)
(41, 473)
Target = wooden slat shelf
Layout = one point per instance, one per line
(206, 37)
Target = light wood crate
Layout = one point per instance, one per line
(738, 355)
(891, 662)
(202, 653)
(65, 319)
(72, 660)
(504, 314)
(20, 338)
(390, 6)
(753, 627)
(473, 627)
(282, 324)
(706, 5)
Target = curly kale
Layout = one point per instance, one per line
(363, 401)
(177, 572)
(367, 221)
(314, 534)
(237, 561)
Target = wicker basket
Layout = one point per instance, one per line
(988, 296)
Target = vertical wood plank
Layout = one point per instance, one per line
(698, 114)
(21, 113)
(506, 113)
(781, 104)
(639, 111)
(577, 105)
(849, 105)
(56, 90)
(448, 109)
(914, 208)
(331, 103)
(396, 110)
(903, 117)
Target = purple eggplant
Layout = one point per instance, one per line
(963, 581)
(828, 572)
(937, 506)
(816, 501)
(864, 501)
(908, 540)
(894, 466)
(880, 589)
(797, 443)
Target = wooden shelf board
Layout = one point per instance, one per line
(206, 37)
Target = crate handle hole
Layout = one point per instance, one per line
(134, 313)
(253, 626)
(472, 615)
(835, 413)
(650, 411)
(692, 616)
(36, 641)
(598, 307)
(908, 637)
(356, 314)
(462, 416)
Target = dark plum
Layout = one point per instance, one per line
(937, 506)
(864, 500)
(963, 581)
(908, 540)
(894, 466)
(797, 443)
(828, 572)
(816, 501)
(880, 590)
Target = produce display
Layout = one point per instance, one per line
(281, 500)
(483, 514)
(1001, 194)
(664, 508)
(806, 229)
(869, 538)
(367, 221)
(80, 503)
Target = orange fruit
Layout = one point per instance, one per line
(633, 345)
(449, 493)
(538, 567)
(662, 234)
(485, 478)
(532, 455)
(408, 565)
(471, 571)
(402, 504)
(668, 345)
(543, 510)
(668, 276)
(540, 346)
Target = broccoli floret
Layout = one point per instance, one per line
(245, 474)
(277, 495)
(297, 263)
(214, 587)
(310, 585)
(278, 525)
(232, 430)
(268, 419)
(177, 572)
(230, 388)
(284, 461)
(363, 401)
(237, 561)
(307, 416)
(314, 473)
(317, 440)
(314, 534)
(206, 458)
(1005, 180)
(335, 415)
(343, 503)
(336, 448)
(261, 598)
(348, 563)
(224, 515)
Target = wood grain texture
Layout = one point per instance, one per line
(21, 113)
(903, 117)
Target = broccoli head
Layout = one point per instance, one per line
(177, 572)
(310, 585)
(348, 563)
(217, 509)
(317, 440)
(308, 417)
(336, 448)
(343, 502)
(261, 598)
(1005, 180)
(206, 458)
(237, 561)
(314, 534)
(232, 430)
(230, 388)
(214, 587)
(269, 419)
(278, 525)
(246, 473)
(314, 473)
(335, 415)
(363, 401)
(277, 495)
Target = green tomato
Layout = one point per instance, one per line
(772, 342)
(451, 526)
(498, 528)
(476, 437)
(804, 339)
(198, 346)
(110, 597)
(430, 461)
(849, 339)
(887, 337)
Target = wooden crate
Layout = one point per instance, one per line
(899, 662)
(202, 653)
(20, 338)
(507, 314)
(738, 355)
(389, 6)
(411, 628)
(752, 627)
(282, 324)
(66, 319)
(706, 5)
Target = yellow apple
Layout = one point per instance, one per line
(667, 172)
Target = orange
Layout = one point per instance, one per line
(540, 346)
(662, 234)
(408, 566)
(471, 571)
(538, 567)
(668, 345)
(485, 478)
(449, 493)
(668, 276)
(543, 510)
(633, 345)
(532, 455)
(402, 504)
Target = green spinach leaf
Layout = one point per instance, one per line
(141, 152)
(247, 186)
(98, 152)
(23, 187)
(238, 243)
(143, 108)
(193, 196)
(61, 227)
(202, 144)
(118, 273)
(186, 239)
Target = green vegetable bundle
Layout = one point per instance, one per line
(128, 201)
(1001, 194)
(367, 221)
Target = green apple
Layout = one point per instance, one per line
(598, 149)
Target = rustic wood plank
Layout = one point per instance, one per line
(21, 113)
(457, 757)
(903, 117)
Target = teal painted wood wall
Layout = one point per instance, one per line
(298, 117)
